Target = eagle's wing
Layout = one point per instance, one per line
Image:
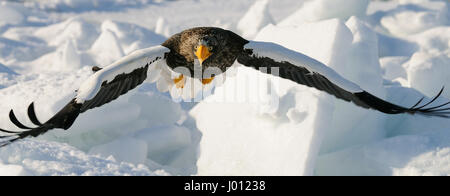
(308, 71)
(103, 87)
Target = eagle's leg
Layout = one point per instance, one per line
(179, 82)
(206, 81)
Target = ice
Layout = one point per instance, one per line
(433, 40)
(431, 61)
(400, 155)
(12, 50)
(120, 149)
(10, 15)
(327, 43)
(12, 170)
(394, 46)
(49, 158)
(393, 67)
(254, 124)
(132, 37)
(414, 18)
(83, 5)
(313, 11)
(255, 19)
(412, 143)
(7, 70)
(363, 66)
(107, 48)
(162, 28)
(83, 32)
(68, 57)
(247, 139)
(429, 72)
(304, 110)
(358, 62)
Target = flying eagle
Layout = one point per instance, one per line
(201, 49)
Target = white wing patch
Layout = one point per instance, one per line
(281, 54)
(127, 64)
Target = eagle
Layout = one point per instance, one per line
(198, 56)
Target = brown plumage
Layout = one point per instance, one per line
(227, 47)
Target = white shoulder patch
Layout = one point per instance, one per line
(136, 60)
(281, 54)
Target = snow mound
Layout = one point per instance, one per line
(120, 149)
(83, 32)
(162, 27)
(10, 15)
(32, 157)
(68, 57)
(433, 40)
(393, 67)
(394, 46)
(76, 42)
(12, 50)
(84, 5)
(415, 18)
(429, 68)
(313, 11)
(107, 48)
(255, 19)
(4, 69)
(131, 36)
(429, 72)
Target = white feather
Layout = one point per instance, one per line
(127, 64)
(282, 54)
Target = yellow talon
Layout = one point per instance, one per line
(207, 80)
(179, 82)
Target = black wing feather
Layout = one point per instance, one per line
(108, 92)
(112, 90)
(16, 122)
(32, 115)
(363, 99)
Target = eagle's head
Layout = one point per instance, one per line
(206, 46)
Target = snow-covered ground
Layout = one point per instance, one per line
(398, 50)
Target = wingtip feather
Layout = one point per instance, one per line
(32, 115)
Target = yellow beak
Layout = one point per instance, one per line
(202, 53)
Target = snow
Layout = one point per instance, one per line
(133, 37)
(425, 70)
(107, 48)
(393, 67)
(413, 18)
(82, 32)
(248, 26)
(10, 15)
(253, 123)
(313, 11)
(49, 158)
